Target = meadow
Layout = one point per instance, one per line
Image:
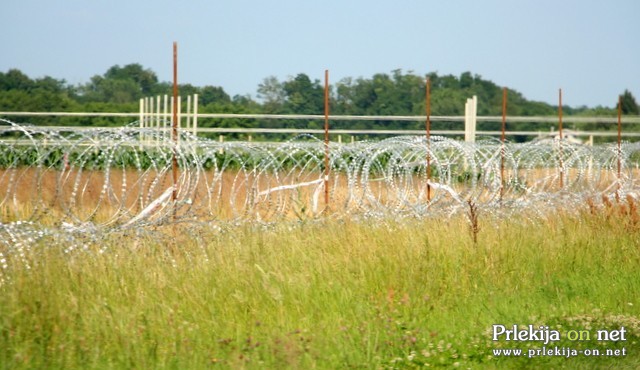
(409, 265)
(330, 294)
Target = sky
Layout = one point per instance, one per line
(589, 48)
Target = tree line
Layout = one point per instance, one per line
(397, 93)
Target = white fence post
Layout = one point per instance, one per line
(149, 119)
(157, 121)
(141, 121)
(165, 117)
(474, 118)
(466, 121)
(470, 119)
(195, 115)
(188, 125)
(141, 117)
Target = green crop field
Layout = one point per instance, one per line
(334, 294)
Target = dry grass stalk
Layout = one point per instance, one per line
(609, 208)
(593, 209)
(474, 227)
(633, 218)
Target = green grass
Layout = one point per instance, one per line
(335, 294)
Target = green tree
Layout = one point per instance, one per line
(213, 94)
(145, 79)
(271, 92)
(51, 84)
(109, 90)
(344, 100)
(14, 79)
(303, 96)
(187, 90)
(120, 85)
(466, 80)
(629, 104)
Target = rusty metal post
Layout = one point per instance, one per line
(428, 127)
(560, 140)
(503, 129)
(619, 154)
(174, 131)
(560, 113)
(326, 139)
(619, 121)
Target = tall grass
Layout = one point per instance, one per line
(333, 294)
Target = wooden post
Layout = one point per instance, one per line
(470, 120)
(141, 114)
(150, 120)
(157, 121)
(195, 115)
(326, 139)
(467, 114)
(141, 118)
(474, 117)
(165, 117)
(188, 125)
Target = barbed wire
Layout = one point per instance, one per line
(93, 182)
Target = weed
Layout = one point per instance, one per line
(328, 294)
(472, 215)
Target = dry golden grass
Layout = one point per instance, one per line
(119, 195)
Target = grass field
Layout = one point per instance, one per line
(330, 295)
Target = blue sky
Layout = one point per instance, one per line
(588, 48)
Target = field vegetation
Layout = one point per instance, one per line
(329, 294)
(395, 93)
(227, 288)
